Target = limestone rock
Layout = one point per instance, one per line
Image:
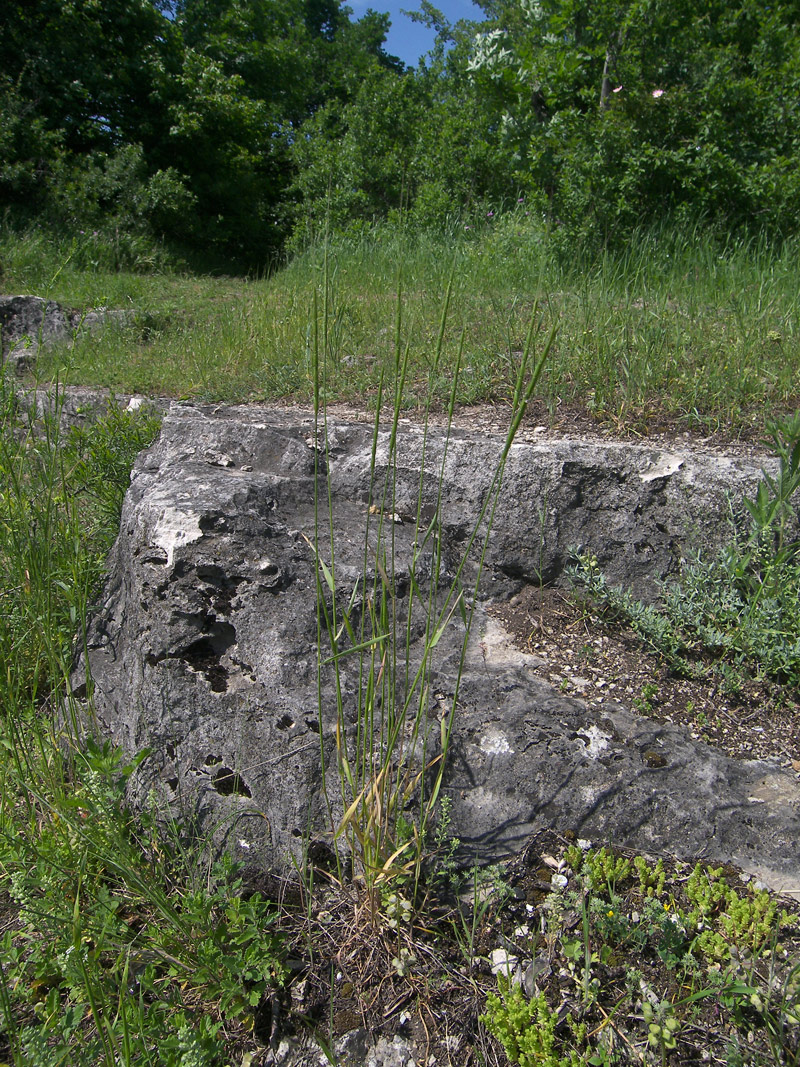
(354, 1049)
(27, 321)
(205, 649)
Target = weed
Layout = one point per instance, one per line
(662, 1027)
(600, 867)
(671, 987)
(525, 1028)
(738, 612)
(391, 762)
(112, 952)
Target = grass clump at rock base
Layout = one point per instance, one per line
(569, 955)
(114, 946)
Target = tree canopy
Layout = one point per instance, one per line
(226, 127)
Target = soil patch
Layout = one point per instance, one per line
(597, 661)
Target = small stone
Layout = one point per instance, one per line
(654, 759)
(218, 459)
(503, 962)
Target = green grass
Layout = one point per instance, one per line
(390, 773)
(116, 946)
(678, 330)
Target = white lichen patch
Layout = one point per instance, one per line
(595, 740)
(665, 466)
(495, 743)
(173, 529)
(497, 648)
(776, 789)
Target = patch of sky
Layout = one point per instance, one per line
(411, 40)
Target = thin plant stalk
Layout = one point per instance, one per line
(385, 761)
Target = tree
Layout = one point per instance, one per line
(89, 69)
(173, 119)
(622, 111)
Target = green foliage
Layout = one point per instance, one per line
(742, 607)
(662, 1026)
(404, 150)
(98, 935)
(118, 947)
(631, 109)
(600, 867)
(698, 947)
(651, 879)
(744, 922)
(58, 510)
(101, 455)
(652, 626)
(219, 128)
(525, 1028)
(166, 124)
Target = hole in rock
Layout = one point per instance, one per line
(213, 523)
(170, 750)
(172, 783)
(212, 760)
(204, 654)
(216, 674)
(297, 833)
(218, 638)
(223, 586)
(321, 856)
(215, 575)
(157, 558)
(228, 782)
(285, 722)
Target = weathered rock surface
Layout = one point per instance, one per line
(357, 1048)
(205, 650)
(28, 321)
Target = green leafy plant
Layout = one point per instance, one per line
(600, 867)
(651, 879)
(677, 981)
(117, 945)
(525, 1028)
(744, 922)
(662, 1027)
(741, 609)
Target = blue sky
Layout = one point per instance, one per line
(408, 39)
